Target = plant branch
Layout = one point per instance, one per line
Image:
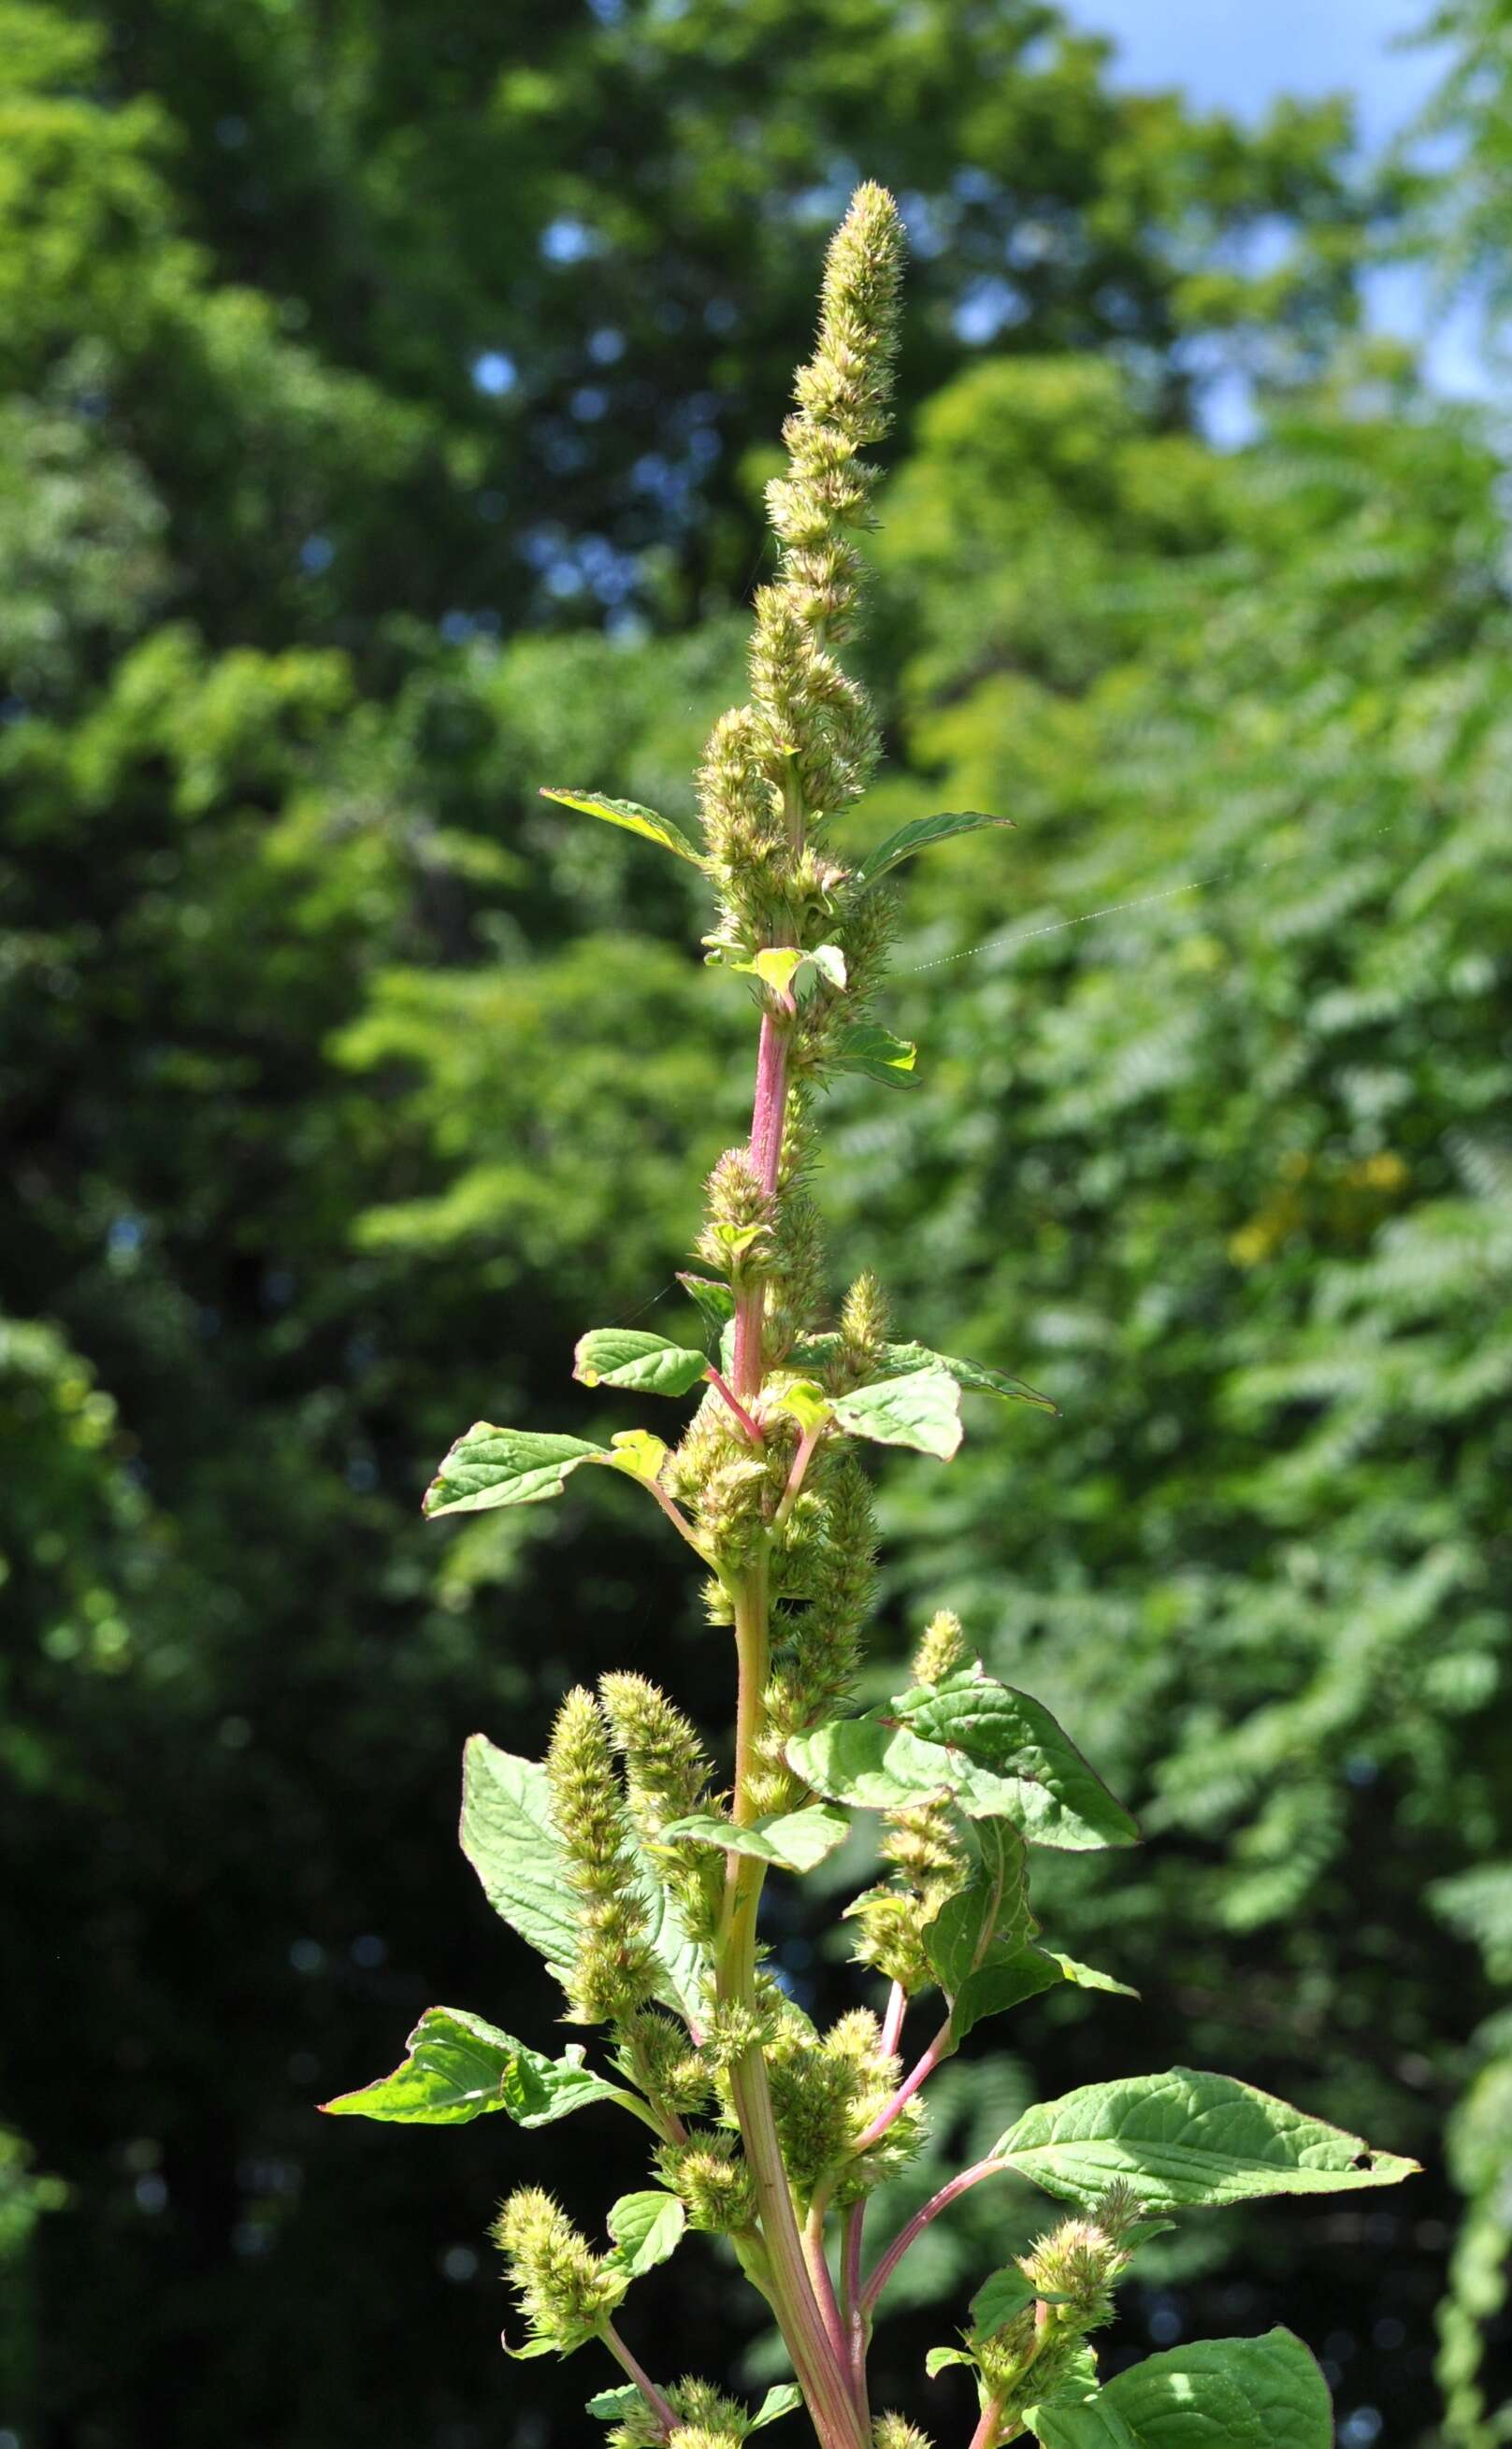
(892, 2029)
(989, 2425)
(664, 2413)
(920, 2220)
(823, 2283)
(795, 1477)
(940, 2047)
(853, 2222)
(721, 1386)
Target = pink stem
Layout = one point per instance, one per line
(721, 1386)
(675, 1516)
(852, 2228)
(988, 2426)
(939, 2047)
(920, 2220)
(665, 2416)
(824, 2287)
(892, 2029)
(795, 1477)
(768, 1114)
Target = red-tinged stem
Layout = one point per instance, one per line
(940, 2047)
(822, 2284)
(676, 1517)
(795, 1477)
(666, 2415)
(721, 1386)
(892, 2031)
(920, 2220)
(769, 1111)
(853, 2225)
(988, 2428)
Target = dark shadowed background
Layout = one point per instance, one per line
(387, 392)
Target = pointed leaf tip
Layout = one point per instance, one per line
(632, 817)
(919, 835)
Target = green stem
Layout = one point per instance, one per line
(821, 2372)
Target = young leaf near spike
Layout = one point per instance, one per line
(645, 1364)
(459, 2067)
(919, 835)
(901, 1360)
(876, 1053)
(647, 2230)
(995, 1750)
(632, 818)
(489, 1467)
(918, 1408)
(793, 1840)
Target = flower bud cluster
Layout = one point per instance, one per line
(563, 2289)
(824, 2096)
(711, 2177)
(654, 2053)
(1074, 2271)
(924, 1845)
(668, 1774)
(705, 2421)
(615, 1972)
(709, 2420)
(819, 1647)
(864, 1324)
(894, 2432)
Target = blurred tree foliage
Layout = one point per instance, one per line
(358, 364)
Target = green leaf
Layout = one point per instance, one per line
(614, 2406)
(1000, 2299)
(1217, 2394)
(507, 1836)
(683, 1963)
(830, 962)
(638, 1453)
(1227, 2394)
(876, 1054)
(804, 1398)
(900, 1359)
(920, 1409)
(795, 1841)
(939, 2358)
(917, 834)
(785, 2398)
(1014, 1746)
(459, 2067)
(1091, 2423)
(646, 1364)
(999, 1752)
(1087, 1977)
(534, 2347)
(647, 2228)
(1187, 2137)
(989, 1918)
(776, 966)
(1006, 1981)
(716, 1301)
(634, 818)
(489, 1467)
